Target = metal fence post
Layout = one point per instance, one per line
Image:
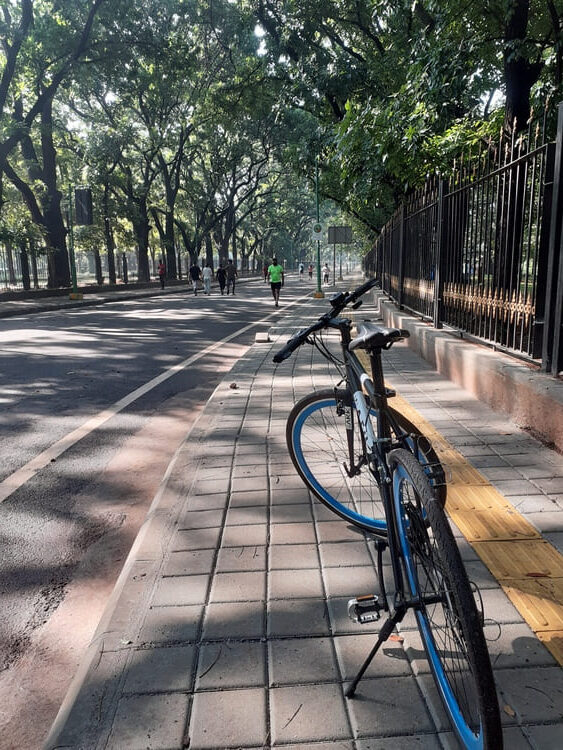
(401, 274)
(441, 227)
(552, 346)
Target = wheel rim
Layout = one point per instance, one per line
(438, 623)
(317, 441)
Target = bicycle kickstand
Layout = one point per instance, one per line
(384, 633)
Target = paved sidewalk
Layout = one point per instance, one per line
(228, 626)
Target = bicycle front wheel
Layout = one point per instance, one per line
(446, 613)
(328, 450)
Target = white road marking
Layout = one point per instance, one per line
(31, 468)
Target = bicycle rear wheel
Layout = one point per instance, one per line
(447, 616)
(322, 433)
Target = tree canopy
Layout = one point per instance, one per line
(199, 125)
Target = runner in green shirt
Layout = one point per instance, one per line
(275, 272)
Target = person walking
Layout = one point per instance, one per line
(195, 275)
(265, 272)
(275, 272)
(326, 273)
(301, 269)
(207, 275)
(231, 275)
(221, 278)
(161, 273)
(311, 271)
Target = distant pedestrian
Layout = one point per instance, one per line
(195, 275)
(265, 272)
(161, 273)
(311, 271)
(301, 269)
(207, 275)
(326, 273)
(275, 272)
(231, 276)
(221, 278)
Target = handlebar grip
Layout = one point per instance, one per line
(363, 289)
(293, 344)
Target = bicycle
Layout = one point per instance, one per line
(373, 468)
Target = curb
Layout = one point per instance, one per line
(531, 399)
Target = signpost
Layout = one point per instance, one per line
(338, 235)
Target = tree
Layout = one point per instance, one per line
(42, 45)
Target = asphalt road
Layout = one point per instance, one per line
(93, 404)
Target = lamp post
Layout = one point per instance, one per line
(319, 293)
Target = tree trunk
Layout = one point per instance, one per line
(208, 251)
(519, 73)
(142, 228)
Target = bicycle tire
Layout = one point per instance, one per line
(317, 443)
(447, 616)
(355, 499)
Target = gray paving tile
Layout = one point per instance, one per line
(158, 670)
(388, 705)
(253, 483)
(295, 661)
(534, 694)
(197, 539)
(282, 496)
(352, 650)
(244, 536)
(231, 664)
(234, 620)
(292, 513)
(548, 522)
(189, 562)
(546, 737)
(287, 617)
(402, 742)
(248, 515)
(150, 722)
(497, 607)
(351, 581)
(233, 559)
(295, 584)
(337, 531)
(171, 624)
(248, 498)
(515, 645)
(346, 554)
(293, 556)
(292, 533)
(534, 504)
(222, 719)
(307, 714)
(181, 590)
(213, 486)
(238, 586)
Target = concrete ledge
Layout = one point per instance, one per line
(533, 400)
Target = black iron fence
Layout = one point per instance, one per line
(482, 251)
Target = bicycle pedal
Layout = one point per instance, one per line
(364, 609)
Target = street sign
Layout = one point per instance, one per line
(339, 235)
(317, 231)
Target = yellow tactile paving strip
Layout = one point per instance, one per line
(529, 569)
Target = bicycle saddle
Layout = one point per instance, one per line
(372, 336)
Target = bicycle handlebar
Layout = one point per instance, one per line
(338, 303)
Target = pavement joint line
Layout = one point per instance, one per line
(497, 531)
